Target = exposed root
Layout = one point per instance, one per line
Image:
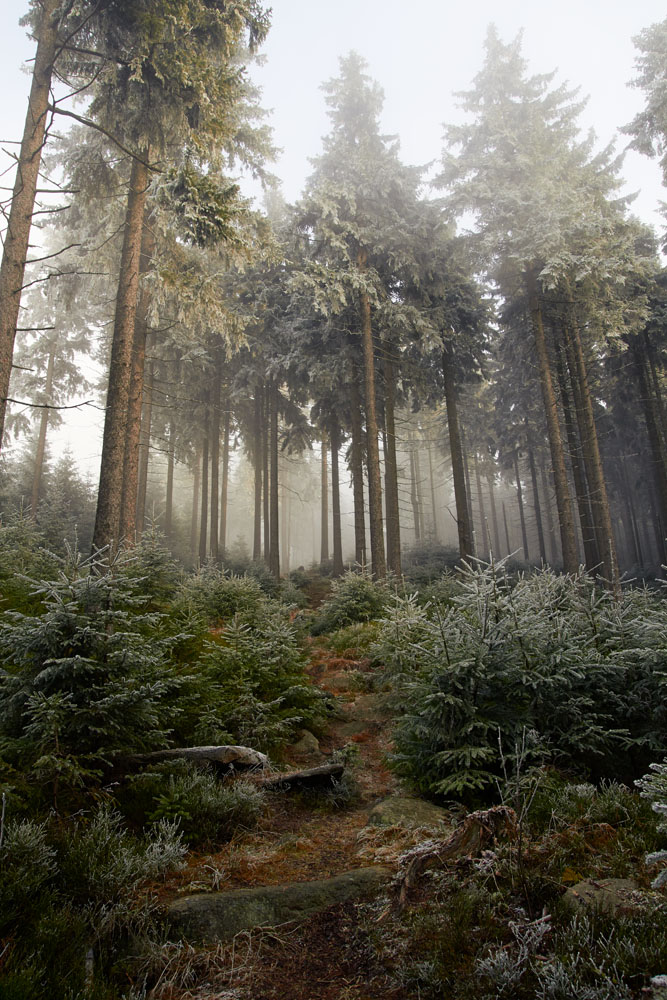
(477, 832)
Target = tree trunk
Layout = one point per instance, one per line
(414, 500)
(591, 452)
(266, 506)
(658, 526)
(19, 221)
(494, 515)
(130, 523)
(458, 471)
(652, 420)
(194, 525)
(144, 451)
(334, 436)
(378, 562)
(418, 488)
(434, 506)
(224, 489)
(169, 500)
(324, 501)
(284, 518)
(357, 470)
(391, 470)
(652, 365)
(466, 473)
(107, 519)
(41, 440)
(203, 514)
(257, 532)
(536, 498)
(274, 519)
(591, 554)
(507, 530)
(215, 460)
(519, 497)
(563, 502)
(551, 529)
(485, 547)
(635, 555)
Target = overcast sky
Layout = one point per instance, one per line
(421, 52)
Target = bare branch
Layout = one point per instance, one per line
(91, 124)
(60, 274)
(38, 260)
(49, 406)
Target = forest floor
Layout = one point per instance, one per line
(305, 837)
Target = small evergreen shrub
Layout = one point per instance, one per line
(23, 558)
(547, 653)
(354, 641)
(354, 597)
(66, 891)
(85, 679)
(151, 562)
(217, 596)
(426, 562)
(654, 788)
(252, 687)
(292, 596)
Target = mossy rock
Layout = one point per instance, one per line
(616, 896)
(306, 749)
(219, 916)
(398, 810)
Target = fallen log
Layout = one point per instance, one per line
(222, 759)
(324, 776)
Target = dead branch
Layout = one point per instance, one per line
(325, 776)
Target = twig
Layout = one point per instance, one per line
(49, 406)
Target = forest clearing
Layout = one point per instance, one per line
(346, 677)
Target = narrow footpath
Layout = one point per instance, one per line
(287, 911)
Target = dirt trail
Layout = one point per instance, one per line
(306, 837)
(303, 838)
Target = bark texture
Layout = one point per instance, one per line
(378, 561)
(19, 220)
(391, 470)
(107, 519)
(274, 506)
(591, 450)
(334, 437)
(357, 470)
(563, 502)
(458, 471)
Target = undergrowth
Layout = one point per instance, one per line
(552, 654)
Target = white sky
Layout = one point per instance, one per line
(421, 52)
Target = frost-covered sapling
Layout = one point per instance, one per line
(654, 787)
(87, 678)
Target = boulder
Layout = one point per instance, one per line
(219, 916)
(307, 749)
